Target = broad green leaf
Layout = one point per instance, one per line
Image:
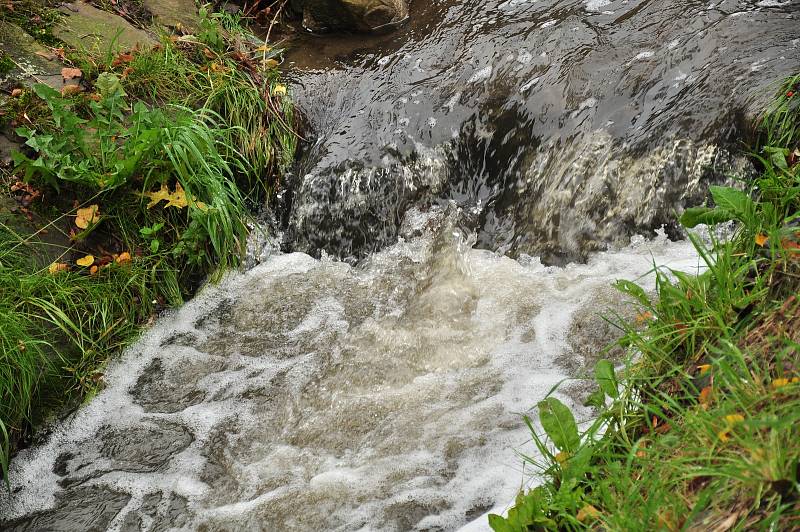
(633, 290)
(734, 201)
(499, 524)
(694, 216)
(559, 424)
(606, 378)
(597, 399)
(108, 85)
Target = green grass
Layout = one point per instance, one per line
(36, 17)
(701, 430)
(57, 329)
(198, 121)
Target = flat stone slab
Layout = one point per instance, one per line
(31, 58)
(87, 27)
(174, 13)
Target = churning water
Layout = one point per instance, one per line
(385, 391)
(311, 395)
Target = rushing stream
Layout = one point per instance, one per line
(384, 391)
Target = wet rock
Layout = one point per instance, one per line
(115, 450)
(86, 26)
(350, 15)
(88, 509)
(31, 58)
(174, 13)
(168, 392)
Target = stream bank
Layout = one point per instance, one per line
(131, 160)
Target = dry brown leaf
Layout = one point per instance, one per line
(87, 217)
(71, 73)
(58, 267)
(16, 92)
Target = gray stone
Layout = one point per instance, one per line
(352, 15)
(33, 63)
(87, 27)
(174, 13)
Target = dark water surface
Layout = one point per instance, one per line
(313, 394)
(561, 125)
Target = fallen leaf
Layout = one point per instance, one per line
(88, 260)
(271, 63)
(279, 90)
(733, 419)
(705, 396)
(588, 512)
(761, 240)
(71, 73)
(58, 267)
(121, 59)
(643, 317)
(562, 457)
(175, 199)
(704, 368)
(87, 216)
(16, 92)
(780, 383)
(723, 435)
(123, 258)
(208, 53)
(93, 270)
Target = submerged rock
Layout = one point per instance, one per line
(350, 15)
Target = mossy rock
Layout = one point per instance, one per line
(86, 27)
(27, 58)
(174, 13)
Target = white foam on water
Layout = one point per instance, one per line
(328, 397)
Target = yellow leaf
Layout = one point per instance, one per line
(123, 257)
(723, 435)
(271, 63)
(87, 217)
(88, 260)
(58, 267)
(704, 368)
(279, 90)
(175, 199)
(733, 419)
(93, 270)
(780, 383)
(588, 512)
(264, 48)
(761, 240)
(562, 457)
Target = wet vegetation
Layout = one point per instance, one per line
(700, 429)
(135, 183)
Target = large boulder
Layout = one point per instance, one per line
(85, 26)
(350, 15)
